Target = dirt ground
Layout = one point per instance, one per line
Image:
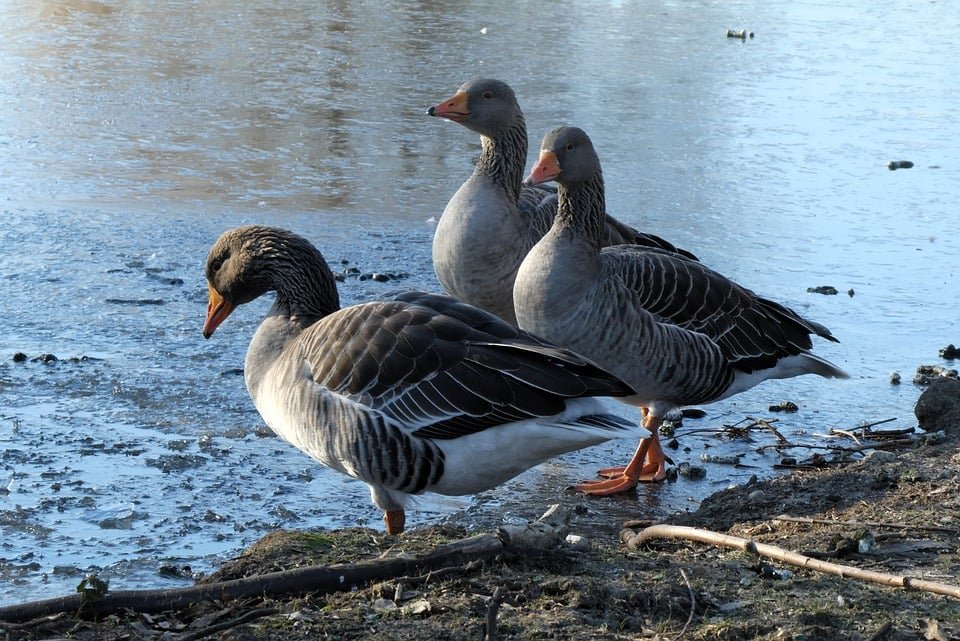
(895, 512)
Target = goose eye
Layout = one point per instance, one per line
(487, 95)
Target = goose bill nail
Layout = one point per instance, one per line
(217, 311)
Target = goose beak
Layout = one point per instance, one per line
(453, 108)
(546, 169)
(217, 311)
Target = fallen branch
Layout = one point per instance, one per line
(252, 615)
(864, 524)
(539, 535)
(693, 605)
(492, 610)
(634, 539)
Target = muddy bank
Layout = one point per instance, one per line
(894, 512)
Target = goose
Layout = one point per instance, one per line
(677, 331)
(492, 221)
(419, 393)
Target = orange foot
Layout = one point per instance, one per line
(646, 466)
(395, 520)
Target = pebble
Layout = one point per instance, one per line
(827, 290)
(949, 352)
(894, 165)
(721, 460)
(693, 472)
(784, 406)
(926, 373)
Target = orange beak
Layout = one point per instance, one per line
(217, 311)
(546, 169)
(453, 108)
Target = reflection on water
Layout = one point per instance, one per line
(133, 133)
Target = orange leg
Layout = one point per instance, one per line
(395, 520)
(647, 465)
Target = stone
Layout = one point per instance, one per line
(938, 408)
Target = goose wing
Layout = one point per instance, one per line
(753, 332)
(442, 369)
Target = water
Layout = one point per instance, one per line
(133, 133)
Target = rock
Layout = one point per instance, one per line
(827, 290)
(894, 165)
(938, 408)
(692, 472)
(926, 374)
(784, 406)
(949, 353)
(894, 378)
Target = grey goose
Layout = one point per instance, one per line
(677, 331)
(419, 393)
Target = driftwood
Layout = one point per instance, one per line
(539, 535)
(634, 539)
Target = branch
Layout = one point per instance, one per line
(635, 539)
(539, 535)
(322, 579)
(864, 524)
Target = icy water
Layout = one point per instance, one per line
(133, 133)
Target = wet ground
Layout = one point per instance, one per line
(133, 135)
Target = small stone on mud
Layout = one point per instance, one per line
(823, 289)
(784, 406)
(692, 472)
(894, 165)
(949, 352)
(879, 456)
(926, 374)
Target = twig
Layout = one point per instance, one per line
(881, 633)
(492, 609)
(635, 539)
(850, 450)
(693, 604)
(539, 535)
(322, 579)
(867, 426)
(442, 572)
(899, 526)
(226, 625)
(850, 435)
(768, 424)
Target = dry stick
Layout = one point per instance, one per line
(635, 539)
(693, 604)
(324, 579)
(850, 450)
(834, 431)
(492, 611)
(226, 625)
(867, 426)
(882, 632)
(899, 526)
